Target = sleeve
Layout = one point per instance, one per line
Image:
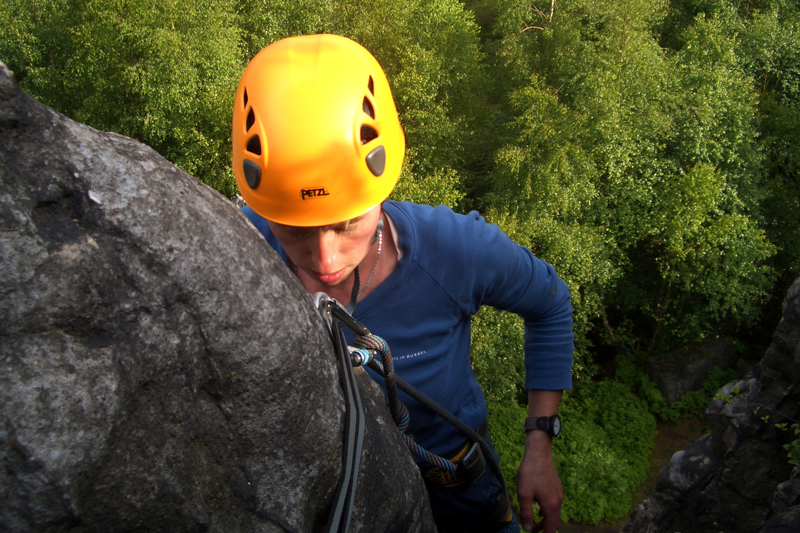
(508, 276)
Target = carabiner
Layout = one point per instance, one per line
(330, 308)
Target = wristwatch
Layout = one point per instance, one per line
(549, 424)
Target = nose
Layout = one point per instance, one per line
(325, 252)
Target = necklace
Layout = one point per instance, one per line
(374, 265)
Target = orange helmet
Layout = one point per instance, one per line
(316, 138)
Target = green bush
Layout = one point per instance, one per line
(658, 405)
(602, 455)
(506, 420)
(604, 451)
(630, 371)
(695, 402)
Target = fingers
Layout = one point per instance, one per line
(530, 526)
(527, 524)
(526, 515)
(551, 513)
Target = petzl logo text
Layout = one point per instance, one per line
(313, 192)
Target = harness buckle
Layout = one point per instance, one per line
(473, 463)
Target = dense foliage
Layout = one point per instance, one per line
(602, 458)
(630, 370)
(648, 149)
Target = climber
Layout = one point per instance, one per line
(317, 149)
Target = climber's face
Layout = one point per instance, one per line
(328, 255)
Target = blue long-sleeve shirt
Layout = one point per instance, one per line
(451, 265)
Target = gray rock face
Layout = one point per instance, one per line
(738, 479)
(685, 370)
(161, 370)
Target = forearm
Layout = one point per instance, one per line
(544, 402)
(537, 478)
(541, 403)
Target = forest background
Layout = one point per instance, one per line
(648, 149)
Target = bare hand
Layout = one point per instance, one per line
(538, 481)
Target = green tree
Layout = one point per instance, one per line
(769, 48)
(708, 245)
(164, 72)
(161, 72)
(36, 43)
(641, 164)
(585, 123)
(265, 21)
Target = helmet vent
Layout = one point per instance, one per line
(368, 133)
(367, 107)
(251, 119)
(245, 98)
(254, 145)
(371, 86)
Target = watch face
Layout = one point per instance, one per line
(556, 425)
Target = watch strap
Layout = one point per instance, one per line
(541, 423)
(537, 422)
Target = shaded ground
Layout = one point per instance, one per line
(671, 438)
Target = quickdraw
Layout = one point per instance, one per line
(373, 351)
(368, 348)
(339, 518)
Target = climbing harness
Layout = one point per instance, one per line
(374, 352)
